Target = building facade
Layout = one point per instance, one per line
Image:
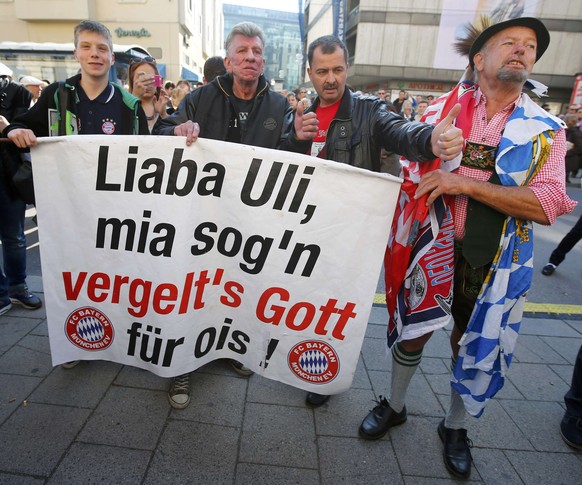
(406, 44)
(180, 34)
(283, 51)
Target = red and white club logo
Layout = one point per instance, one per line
(314, 361)
(89, 329)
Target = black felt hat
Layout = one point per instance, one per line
(542, 34)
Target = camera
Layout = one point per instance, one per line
(157, 81)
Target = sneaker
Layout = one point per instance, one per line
(240, 368)
(571, 431)
(5, 306)
(179, 393)
(548, 269)
(70, 365)
(21, 296)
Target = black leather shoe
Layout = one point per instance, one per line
(380, 419)
(457, 450)
(315, 400)
(548, 269)
(571, 431)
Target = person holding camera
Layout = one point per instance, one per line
(145, 82)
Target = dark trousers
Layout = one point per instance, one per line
(573, 397)
(568, 242)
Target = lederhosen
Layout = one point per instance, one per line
(475, 253)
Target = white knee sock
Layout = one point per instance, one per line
(404, 365)
(455, 418)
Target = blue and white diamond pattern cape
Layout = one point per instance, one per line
(489, 341)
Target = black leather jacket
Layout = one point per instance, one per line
(362, 126)
(268, 125)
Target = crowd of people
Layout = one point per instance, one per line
(453, 162)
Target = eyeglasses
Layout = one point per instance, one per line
(143, 59)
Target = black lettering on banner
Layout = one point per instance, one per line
(151, 352)
(268, 190)
(207, 341)
(158, 246)
(181, 178)
(229, 243)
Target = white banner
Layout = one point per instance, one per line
(166, 257)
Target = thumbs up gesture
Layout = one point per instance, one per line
(305, 123)
(446, 139)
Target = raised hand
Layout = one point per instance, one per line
(305, 123)
(447, 140)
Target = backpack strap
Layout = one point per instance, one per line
(63, 99)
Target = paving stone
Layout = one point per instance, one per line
(536, 468)
(41, 329)
(82, 386)
(215, 399)
(8, 479)
(86, 463)
(412, 480)
(268, 391)
(419, 449)
(536, 381)
(566, 347)
(576, 325)
(35, 437)
(119, 419)
(278, 435)
(539, 422)
(26, 361)
(379, 315)
(194, 453)
(430, 366)
(12, 330)
(543, 327)
(134, 377)
(495, 423)
(342, 414)
(564, 371)
(493, 466)
(375, 330)
(15, 389)
(247, 473)
(354, 460)
(361, 379)
(439, 344)
(533, 349)
(375, 354)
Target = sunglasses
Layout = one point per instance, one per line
(143, 59)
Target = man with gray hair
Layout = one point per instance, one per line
(237, 107)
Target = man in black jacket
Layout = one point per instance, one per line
(237, 107)
(353, 129)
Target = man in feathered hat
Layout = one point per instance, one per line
(471, 256)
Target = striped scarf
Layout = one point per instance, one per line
(489, 341)
(418, 303)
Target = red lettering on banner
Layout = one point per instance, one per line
(303, 315)
(144, 296)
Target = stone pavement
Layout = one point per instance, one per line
(106, 423)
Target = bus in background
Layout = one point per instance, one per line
(56, 62)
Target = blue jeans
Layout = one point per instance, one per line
(12, 210)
